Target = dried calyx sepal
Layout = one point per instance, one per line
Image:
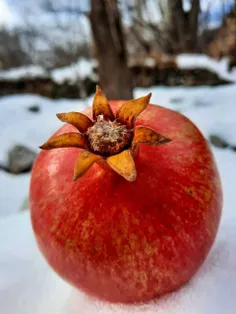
(108, 138)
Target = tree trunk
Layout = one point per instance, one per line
(193, 25)
(177, 27)
(115, 77)
(183, 28)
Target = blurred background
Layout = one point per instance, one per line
(52, 55)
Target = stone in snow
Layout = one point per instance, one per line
(218, 141)
(34, 108)
(20, 159)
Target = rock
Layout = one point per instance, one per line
(200, 103)
(176, 100)
(4, 168)
(25, 204)
(34, 108)
(218, 141)
(20, 159)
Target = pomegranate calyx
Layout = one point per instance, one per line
(77, 119)
(101, 106)
(110, 138)
(145, 135)
(130, 110)
(84, 161)
(73, 139)
(123, 164)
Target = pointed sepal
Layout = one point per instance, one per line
(123, 164)
(77, 119)
(148, 136)
(101, 106)
(83, 163)
(129, 111)
(66, 140)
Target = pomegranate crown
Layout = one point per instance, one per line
(108, 138)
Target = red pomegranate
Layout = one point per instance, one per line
(137, 221)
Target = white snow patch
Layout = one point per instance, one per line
(85, 68)
(32, 71)
(19, 126)
(150, 62)
(14, 189)
(81, 69)
(27, 284)
(72, 73)
(212, 109)
(198, 61)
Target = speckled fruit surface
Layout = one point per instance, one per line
(129, 241)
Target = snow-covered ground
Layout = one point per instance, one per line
(15, 74)
(20, 126)
(201, 61)
(76, 71)
(84, 68)
(72, 73)
(27, 284)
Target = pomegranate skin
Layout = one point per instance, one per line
(122, 241)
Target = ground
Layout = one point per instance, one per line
(28, 285)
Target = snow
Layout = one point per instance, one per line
(149, 62)
(81, 69)
(198, 61)
(212, 109)
(30, 71)
(23, 271)
(28, 285)
(19, 126)
(14, 189)
(72, 73)
(84, 68)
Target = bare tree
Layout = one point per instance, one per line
(66, 23)
(183, 26)
(60, 36)
(176, 31)
(115, 77)
(12, 51)
(147, 32)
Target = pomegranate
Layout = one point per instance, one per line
(137, 221)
